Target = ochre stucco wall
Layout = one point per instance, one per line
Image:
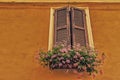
(60, 0)
(24, 31)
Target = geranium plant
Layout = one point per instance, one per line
(79, 58)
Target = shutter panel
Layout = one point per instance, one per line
(62, 27)
(79, 27)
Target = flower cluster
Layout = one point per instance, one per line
(79, 58)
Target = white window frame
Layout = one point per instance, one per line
(51, 28)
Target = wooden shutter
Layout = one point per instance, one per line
(62, 27)
(79, 27)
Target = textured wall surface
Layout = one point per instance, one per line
(24, 30)
(60, 0)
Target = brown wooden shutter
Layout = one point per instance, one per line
(62, 27)
(79, 27)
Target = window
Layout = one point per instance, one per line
(71, 25)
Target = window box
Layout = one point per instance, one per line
(79, 58)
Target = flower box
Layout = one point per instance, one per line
(81, 59)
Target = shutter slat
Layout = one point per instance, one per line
(61, 27)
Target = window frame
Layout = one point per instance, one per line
(88, 27)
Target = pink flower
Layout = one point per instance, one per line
(69, 47)
(64, 50)
(68, 61)
(54, 56)
(75, 64)
(60, 64)
(50, 60)
(77, 53)
(75, 56)
(90, 53)
(88, 65)
(81, 58)
(84, 68)
(90, 58)
(61, 58)
(52, 66)
(65, 66)
(70, 66)
(95, 63)
(46, 56)
(63, 62)
(55, 65)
